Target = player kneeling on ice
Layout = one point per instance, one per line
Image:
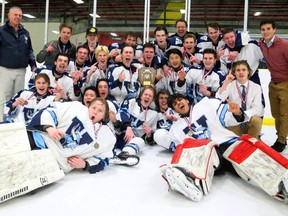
(203, 144)
(137, 125)
(76, 135)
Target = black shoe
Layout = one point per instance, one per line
(279, 147)
(124, 158)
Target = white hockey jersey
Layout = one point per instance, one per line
(172, 43)
(65, 81)
(34, 103)
(207, 120)
(98, 74)
(132, 112)
(163, 122)
(80, 138)
(248, 49)
(84, 69)
(129, 87)
(171, 83)
(211, 79)
(198, 53)
(205, 42)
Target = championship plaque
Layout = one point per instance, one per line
(146, 76)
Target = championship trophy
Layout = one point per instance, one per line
(147, 76)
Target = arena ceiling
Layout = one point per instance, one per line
(131, 12)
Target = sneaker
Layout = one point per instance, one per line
(279, 147)
(124, 158)
(181, 182)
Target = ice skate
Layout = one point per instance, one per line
(283, 188)
(180, 181)
(125, 159)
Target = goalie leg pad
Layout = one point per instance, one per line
(26, 171)
(254, 160)
(13, 138)
(23, 170)
(199, 158)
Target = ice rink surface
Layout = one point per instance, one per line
(140, 190)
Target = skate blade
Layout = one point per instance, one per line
(285, 190)
(130, 161)
(179, 182)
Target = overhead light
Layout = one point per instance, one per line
(29, 16)
(97, 16)
(113, 34)
(55, 32)
(257, 13)
(182, 11)
(1, 1)
(79, 1)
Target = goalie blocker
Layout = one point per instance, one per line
(193, 164)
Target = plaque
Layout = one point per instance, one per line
(146, 76)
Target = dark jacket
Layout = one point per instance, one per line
(15, 47)
(49, 57)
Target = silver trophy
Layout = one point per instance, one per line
(147, 76)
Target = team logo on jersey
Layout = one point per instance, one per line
(76, 135)
(135, 123)
(44, 180)
(178, 41)
(205, 38)
(164, 124)
(199, 129)
(28, 113)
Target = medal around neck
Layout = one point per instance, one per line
(190, 133)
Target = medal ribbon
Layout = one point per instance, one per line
(145, 113)
(91, 58)
(189, 121)
(60, 50)
(96, 131)
(204, 76)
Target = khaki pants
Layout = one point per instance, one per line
(11, 82)
(278, 95)
(253, 127)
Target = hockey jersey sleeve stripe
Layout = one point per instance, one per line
(38, 139)
(52, 113)
(222, 110)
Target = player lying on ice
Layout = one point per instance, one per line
(76, 135)
(203, 144)
(67, 136)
